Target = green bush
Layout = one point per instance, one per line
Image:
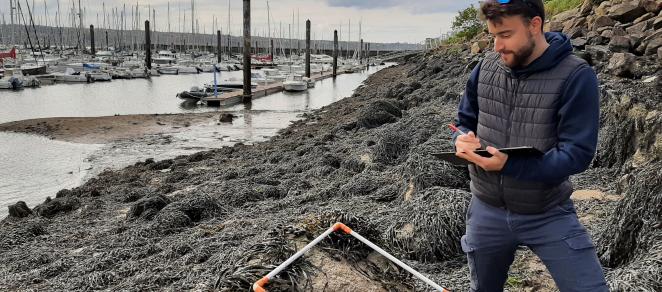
(467, 25)
(554, 7)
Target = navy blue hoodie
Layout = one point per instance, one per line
(578, 119)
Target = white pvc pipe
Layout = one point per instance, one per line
(340, 226)
(398, 262)
(297, 255)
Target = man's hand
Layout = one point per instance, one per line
(465, 146)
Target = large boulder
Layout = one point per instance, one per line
(52, 207)
(619, 44)
(621, 64)
(653, 45)
(653, 6)
(603, 21)
(19, 210)
(555, 26)
(626, 12)
(638, 28)
(603, 8)
(598, 53)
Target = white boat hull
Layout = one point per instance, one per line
(295, 86)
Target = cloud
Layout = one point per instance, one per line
(413, 6)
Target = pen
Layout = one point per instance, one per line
(456, 129)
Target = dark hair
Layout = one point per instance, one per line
(492, 10)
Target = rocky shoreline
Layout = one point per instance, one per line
(221, 219)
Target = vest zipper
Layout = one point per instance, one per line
(509, 125)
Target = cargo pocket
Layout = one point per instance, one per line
(579, 241)
(471, 260)
(567, 207)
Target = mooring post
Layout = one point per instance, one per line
(368, 55)
(361, 53)
(218, 46)
(335, 53)
(272, 51)
(92, 49)
(148, 46)
(308, 48)
(247, 52)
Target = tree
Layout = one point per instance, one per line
(467, 24)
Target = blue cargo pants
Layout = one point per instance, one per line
(555, 236)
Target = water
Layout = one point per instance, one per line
(153, 96)
(33, 167)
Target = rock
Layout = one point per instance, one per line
(644, 17)
(659, 53)
(617, 30)
(586, 8)
(566, 15)
(19, 210)
(600, 30)
(598, 53)
(555, 26)
(657, 23)
(637, 28)
(603, 8)
(226, 118)
(577, 22)
(594, 38)
(147, 208)
(653, 6)
(651, 80)
(608, 34)
(479, 46)
(626, 12)
(603, 21)
(575, 32)
(52, 207)
(635, 40)
(621, 64)
(619, 44)
(653, 45)
(579, 43)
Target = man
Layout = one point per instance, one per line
(531, 91)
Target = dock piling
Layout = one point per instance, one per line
(247, 52)
(308, 48)
(218, 46)
(361, 53)
(148, 46)
(92, 49)
(335, 53)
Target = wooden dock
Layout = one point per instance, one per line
(235, 97)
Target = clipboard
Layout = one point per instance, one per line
(515, 151)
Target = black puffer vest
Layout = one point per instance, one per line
(520, 111)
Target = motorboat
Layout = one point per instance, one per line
(194, 94)
(260, 78)
(309, 81)
(187, 69)
(100, 76)
(234, 83)
(295, 83)
(10, 81)
(274, 74)
(71, 76)
(168, 70)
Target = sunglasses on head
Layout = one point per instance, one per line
(528, 3)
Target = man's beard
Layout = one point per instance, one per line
(520, 57)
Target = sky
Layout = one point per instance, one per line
(381, 20)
